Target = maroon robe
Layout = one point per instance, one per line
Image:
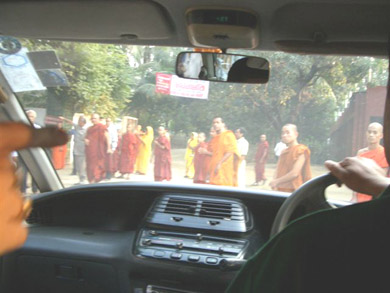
(127, 158)
(96, 152)
(201, 164)
(162, 160)
(136, 147)
(260, 166)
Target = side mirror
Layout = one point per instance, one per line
(222, 67)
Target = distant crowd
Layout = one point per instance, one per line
(101, 151)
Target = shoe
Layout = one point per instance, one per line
(255, 184)
(264, 181)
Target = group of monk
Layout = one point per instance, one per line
(219, 161)
(102, 150)
(130, 154)
(222, 160)
(216, 161)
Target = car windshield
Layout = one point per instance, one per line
(130, 118)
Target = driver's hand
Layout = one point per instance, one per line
(360, 174)
(13, 209)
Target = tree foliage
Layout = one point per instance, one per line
(100, 77)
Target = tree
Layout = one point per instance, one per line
(117, 80)
(100, 77)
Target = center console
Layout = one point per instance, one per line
(196, 230)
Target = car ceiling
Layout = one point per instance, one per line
(311, 26)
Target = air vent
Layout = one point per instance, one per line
(179, 206)
(201, 212)
(40, 216)
(220, 210)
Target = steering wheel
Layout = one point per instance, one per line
(310, 195)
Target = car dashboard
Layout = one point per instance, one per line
(140, 238)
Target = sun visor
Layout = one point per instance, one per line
(85, 20)
(222, 28)
(352, 29)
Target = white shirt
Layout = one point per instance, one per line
(242, 146)
(113, 136)
(280, 146)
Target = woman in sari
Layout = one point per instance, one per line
(192, 143)
(144, 151)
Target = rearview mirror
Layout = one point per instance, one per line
(222, 67)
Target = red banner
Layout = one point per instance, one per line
(163, 83)
(173, 85)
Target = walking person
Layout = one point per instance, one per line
(243, 148)
(79, 131)
(162, 157)
(261, 160)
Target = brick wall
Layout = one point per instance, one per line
(349, 132)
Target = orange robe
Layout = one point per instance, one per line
(59, 156)
(221, 144)
(378, 155)
(286, 162)
(96, 152)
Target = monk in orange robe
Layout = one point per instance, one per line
(225, 157)
(162, 157)
(13, 209)
(127, 157)
(58, 153)
(375, 152)
(97, 145)
(293, 168)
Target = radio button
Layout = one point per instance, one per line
(193, 258)
(159, 253)
(212, 260)
(175, 255)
